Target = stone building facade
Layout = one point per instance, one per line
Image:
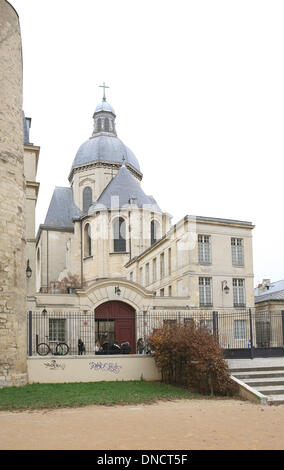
(115, 249)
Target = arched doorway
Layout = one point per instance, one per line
(118, 319)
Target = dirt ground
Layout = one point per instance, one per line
(182, 424)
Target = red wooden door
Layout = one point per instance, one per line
(123, 316)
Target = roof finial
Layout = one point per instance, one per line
(104, 87)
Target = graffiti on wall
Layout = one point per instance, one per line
(53, 365)
(105, 366)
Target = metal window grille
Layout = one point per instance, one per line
(237, 251)
(239, 332)
(204, 249)
(205, 291)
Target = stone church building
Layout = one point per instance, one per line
(108, 248)
(107, 257)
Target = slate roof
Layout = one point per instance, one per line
(120, 189)
(62, 208)
(274, 292)
(104, 106)
(105, 148)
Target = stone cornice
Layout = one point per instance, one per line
(103, 164)
(52, 228)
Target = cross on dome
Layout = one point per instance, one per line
(104, 86)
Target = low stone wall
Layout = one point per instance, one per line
(51, 369)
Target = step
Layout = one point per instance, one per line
(258, 374)
(271, 390)
(264, 381)
(256, 369)
(276, 400)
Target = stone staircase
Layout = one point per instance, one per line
(265, 379)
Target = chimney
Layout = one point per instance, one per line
(262, 288)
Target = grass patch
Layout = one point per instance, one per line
(40, 396)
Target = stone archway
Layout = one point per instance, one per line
(119, 319)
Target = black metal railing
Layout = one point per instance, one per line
(243, 333)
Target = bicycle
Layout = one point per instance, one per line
(61, 348)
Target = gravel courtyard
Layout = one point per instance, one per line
(183, 424)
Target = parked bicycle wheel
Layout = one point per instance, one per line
(62, 349)
(43, 349)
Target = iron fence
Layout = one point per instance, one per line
(243, 333)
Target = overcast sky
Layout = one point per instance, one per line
(198, 90)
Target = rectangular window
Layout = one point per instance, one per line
(208, 324)
(205, 292)
(169, 261)
(154, 269)
(204, 249)
(180, 288)
(237, 251)
(170, 291)
(179, 254)
(162, 265)
(147, 274)
(57, 329)
(162, 292)
(141, 276)
(169, 323)
(239, 292)
(239, 329)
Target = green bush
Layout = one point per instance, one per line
(189, 355)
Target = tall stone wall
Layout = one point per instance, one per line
(13, 330)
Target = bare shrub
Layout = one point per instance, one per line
(189, 355)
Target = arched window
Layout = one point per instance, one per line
(154, 232)
(119, 238)
(87, 198)
(106, 125)
(87, 241)
(99, 125)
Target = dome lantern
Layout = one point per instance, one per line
(104, 117)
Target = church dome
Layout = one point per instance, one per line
(104, 145)
(104, 106)
(108, 148)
